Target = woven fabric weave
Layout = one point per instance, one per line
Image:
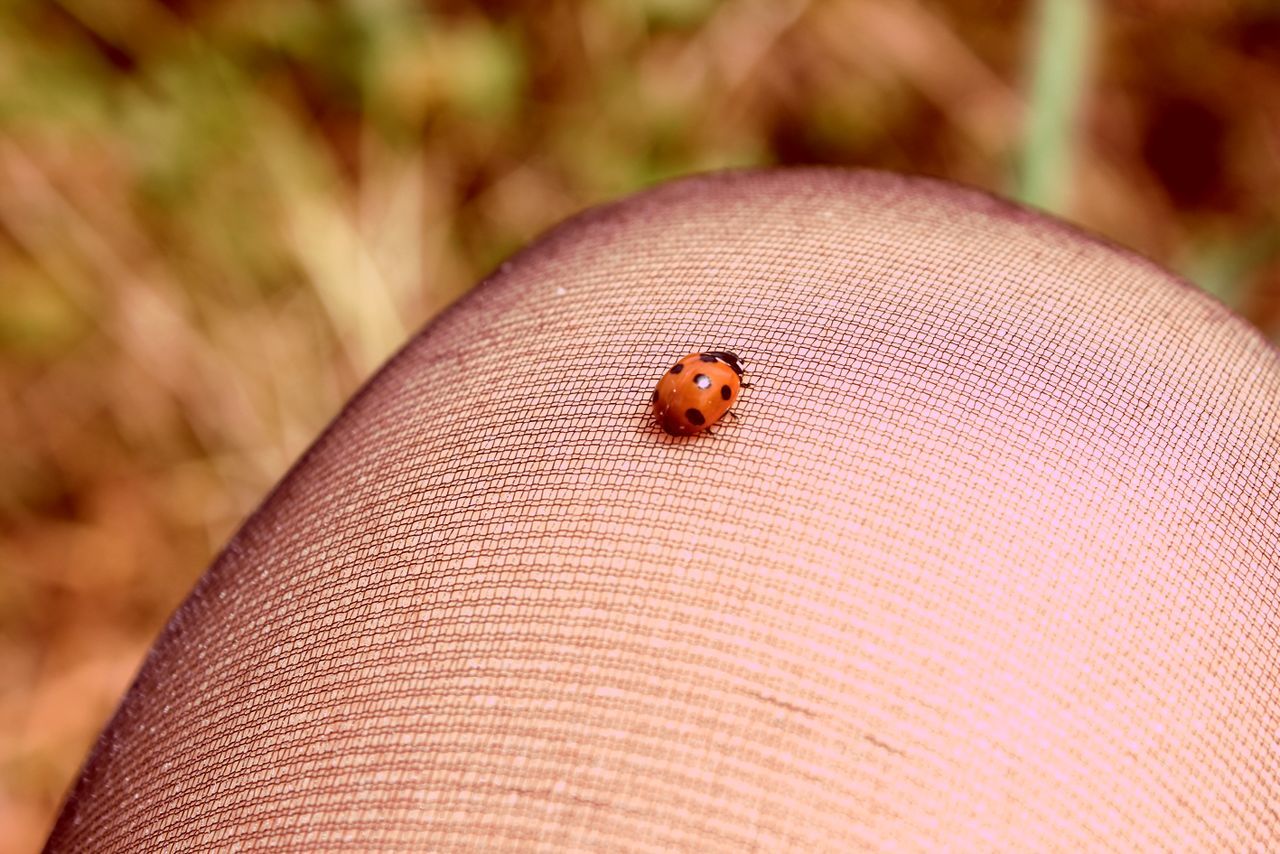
(990, 559)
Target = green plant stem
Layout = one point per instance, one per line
(1062, 37)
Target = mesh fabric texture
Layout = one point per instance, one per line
(991, 558)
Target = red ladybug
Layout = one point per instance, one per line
(697, 392)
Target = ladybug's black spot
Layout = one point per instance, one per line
(702, 380)
(677, 368)
(709, 357)
(726, 392)
(695, 416)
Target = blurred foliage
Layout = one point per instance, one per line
(218, 216)
(1060, 56)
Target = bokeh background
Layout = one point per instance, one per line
(217, 217)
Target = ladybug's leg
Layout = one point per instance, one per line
(731, 414)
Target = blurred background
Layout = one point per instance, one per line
(218, 217)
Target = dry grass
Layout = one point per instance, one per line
(217, 218)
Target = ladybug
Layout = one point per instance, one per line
(697, 392)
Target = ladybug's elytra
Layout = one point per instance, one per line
(697, 392)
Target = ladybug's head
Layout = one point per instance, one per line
(730, 359)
